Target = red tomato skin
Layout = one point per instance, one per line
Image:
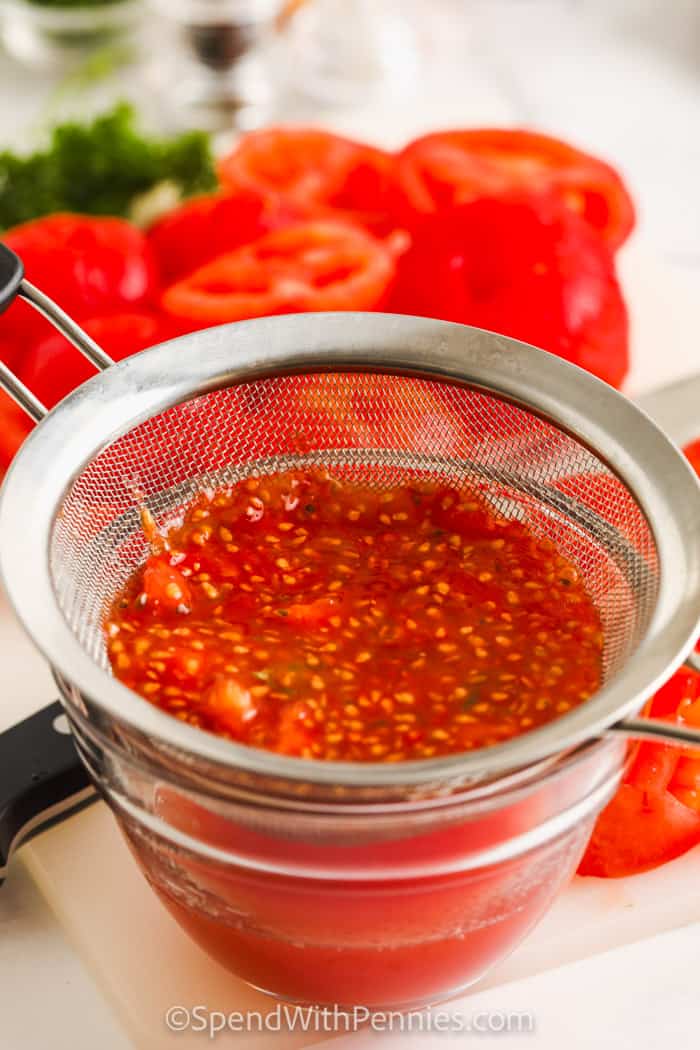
(89, 265)
(444, 169)
(524, 267)
(53, 367)
(11, 352)
(203, 228)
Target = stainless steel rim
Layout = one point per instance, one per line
(139, 387)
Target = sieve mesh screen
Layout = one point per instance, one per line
(379, 428)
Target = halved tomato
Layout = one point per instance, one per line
(313, 171)
(449, 168)
(308, 266)
(524, 266)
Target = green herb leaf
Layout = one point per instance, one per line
(99, 168)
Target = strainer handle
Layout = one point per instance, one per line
(13, 285)
(656, 729)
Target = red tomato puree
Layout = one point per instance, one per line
(318, 617)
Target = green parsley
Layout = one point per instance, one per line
(100, 168)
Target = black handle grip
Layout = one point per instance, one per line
(42, 780)
(11, 276)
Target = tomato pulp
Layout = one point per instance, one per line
(319, 617)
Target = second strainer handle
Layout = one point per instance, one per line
(656, 729)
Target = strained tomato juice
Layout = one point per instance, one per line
(318, 617)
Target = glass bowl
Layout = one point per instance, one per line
(318, 899)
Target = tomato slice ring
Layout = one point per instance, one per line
(312, 171)
(447, 168)
(305, 267)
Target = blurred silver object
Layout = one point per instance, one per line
(344, 52)
(208, 61)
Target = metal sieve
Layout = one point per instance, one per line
(380, 398)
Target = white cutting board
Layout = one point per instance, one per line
(136, 952)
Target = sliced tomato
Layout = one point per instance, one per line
(207, 226)
(15, 424)
(53, 367)
(448, 168)
(90, 266)
(655, 816)
(525, 267)
(308, 266)
(313, 171)
(637, 832)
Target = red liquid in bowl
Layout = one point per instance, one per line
(383, 944)
(350, 913)
(386, 945)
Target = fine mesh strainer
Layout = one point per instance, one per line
(377, 397)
